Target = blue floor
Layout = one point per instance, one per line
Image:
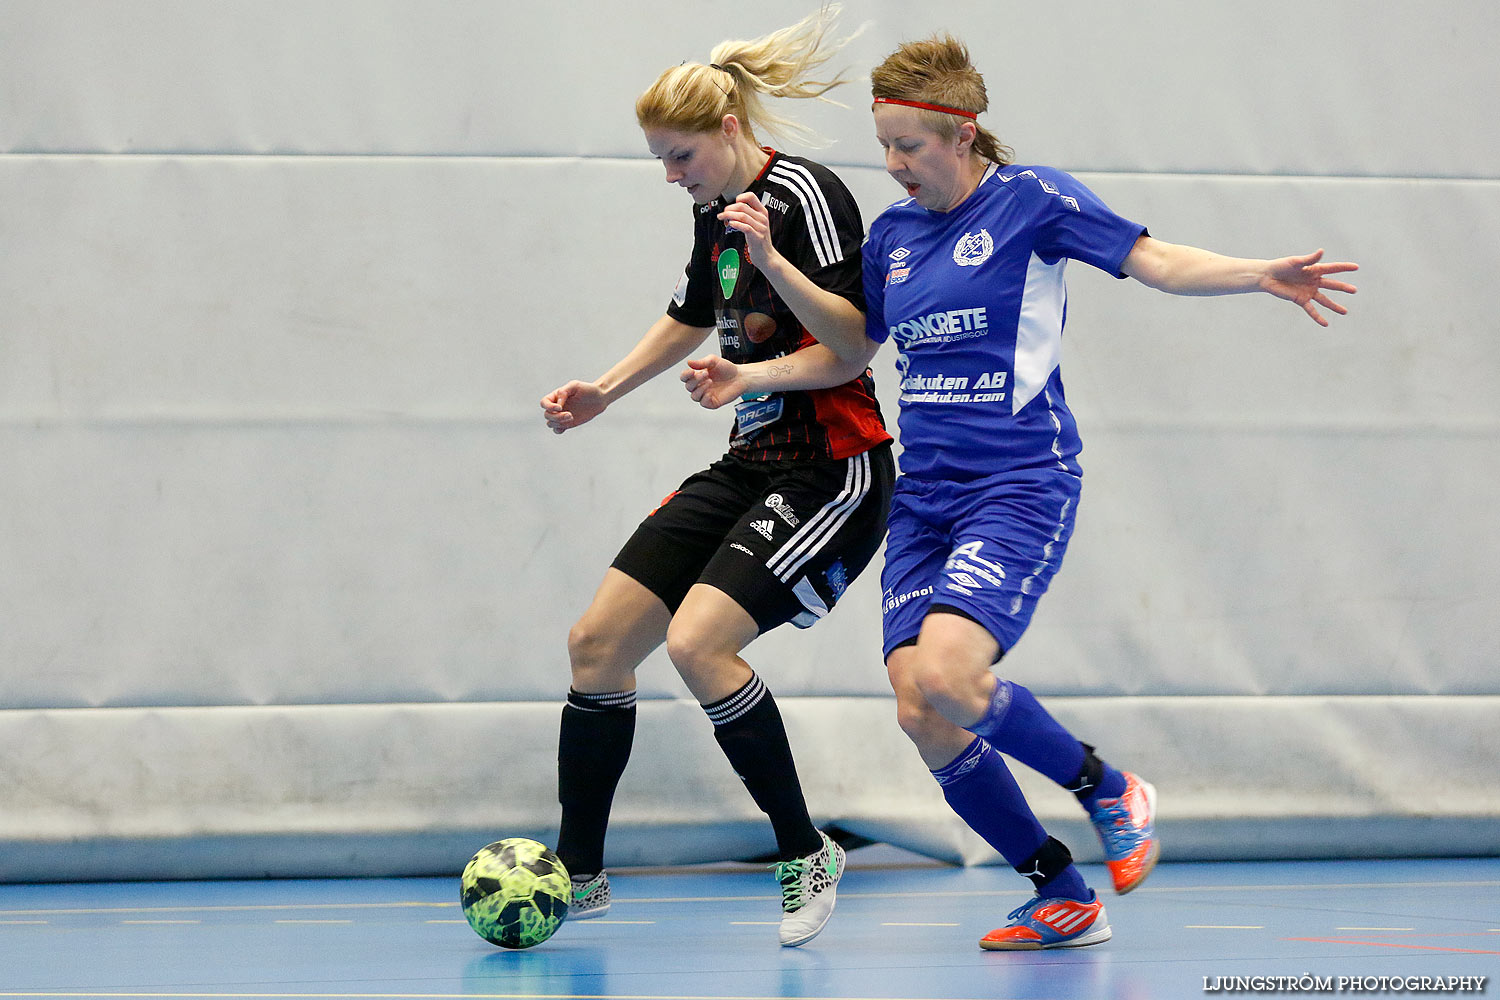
(902, 930)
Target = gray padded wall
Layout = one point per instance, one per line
(288, 560)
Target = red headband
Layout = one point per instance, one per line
(971, 115)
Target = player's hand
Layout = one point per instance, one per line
(749, 216)
(572, 405)
(712, 381)
(1304, 280)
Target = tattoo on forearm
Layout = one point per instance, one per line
(777, 371)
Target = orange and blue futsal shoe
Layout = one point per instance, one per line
(1051, 923)
(1127, 828)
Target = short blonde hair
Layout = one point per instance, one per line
(695, 97)
(937, 70)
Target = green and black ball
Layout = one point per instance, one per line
(515, 893)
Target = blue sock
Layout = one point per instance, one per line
(1015, 723)
(984, 793)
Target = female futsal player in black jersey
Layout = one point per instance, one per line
(775, 530)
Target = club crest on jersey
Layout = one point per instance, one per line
(973, 249)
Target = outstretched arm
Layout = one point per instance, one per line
(1185, 270)
(713, 381)
(829, 317)
(664, 345)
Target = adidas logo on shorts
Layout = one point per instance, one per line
(764, 527)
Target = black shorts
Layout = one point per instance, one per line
(783, 539)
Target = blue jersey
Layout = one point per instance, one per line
(975, 300)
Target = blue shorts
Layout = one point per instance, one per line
(986, 548)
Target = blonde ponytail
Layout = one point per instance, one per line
(695, 97)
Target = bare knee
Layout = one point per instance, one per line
(596, 655)
(697, 652)
(622, 625)
(915, 713)
(956, 685)
(918, 719)
(938, 683)
(686, 646)
(938, 740)
(704, 640)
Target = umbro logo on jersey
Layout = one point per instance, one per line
(898, 272)
(764, 527)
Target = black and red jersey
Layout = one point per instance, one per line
(815, 224)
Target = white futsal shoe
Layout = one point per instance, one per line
(808, 886)
(590, 897)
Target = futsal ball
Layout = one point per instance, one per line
(515, 893)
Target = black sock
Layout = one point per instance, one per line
(1090, 775)
(1052, 873)
(593, 747)
(749, 729)
(1096, 780)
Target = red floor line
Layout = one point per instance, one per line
(1388, 944)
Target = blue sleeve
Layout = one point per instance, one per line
(874, 281)
(1072, 222)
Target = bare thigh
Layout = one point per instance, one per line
(621, 627)
(704, 642)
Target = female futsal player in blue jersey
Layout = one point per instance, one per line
(966, 275)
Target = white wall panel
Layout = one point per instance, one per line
(380, 789)
(1408, 356)
(1277, 562)
(209, 287)
(307, 564)
(294, 287)
(273, 438)
(1171, 85)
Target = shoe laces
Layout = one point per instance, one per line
(1115, 828)
(1025, 908)
(790, 875)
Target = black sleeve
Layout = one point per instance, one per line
(692, 300)
(823, 235)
